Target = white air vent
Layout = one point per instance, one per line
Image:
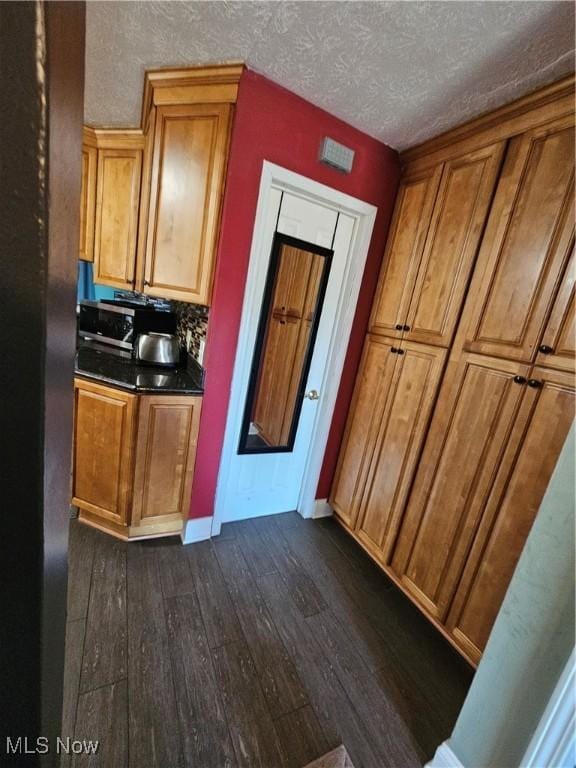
(336, 155)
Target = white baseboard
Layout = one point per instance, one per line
(199, 529)
(444, 758)
(321, 509)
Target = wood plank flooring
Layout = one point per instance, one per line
(263, 648)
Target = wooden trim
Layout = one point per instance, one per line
(544, 104)
(173, 86)
(130, 533)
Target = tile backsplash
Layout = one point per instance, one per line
(192, 327)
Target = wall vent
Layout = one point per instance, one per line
(336, 155)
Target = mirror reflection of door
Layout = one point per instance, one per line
(291, 308)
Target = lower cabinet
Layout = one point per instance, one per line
(133, 459)
(468, 435)
(544, 418)
(398, 443)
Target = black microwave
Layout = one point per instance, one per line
(119, 323)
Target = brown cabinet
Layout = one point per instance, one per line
(406, 411)
(165, 455)
(435, 234)
(110, 201)
(441, 483)
(189, 155)
(151, 197)
(88, 197)
(543, 422)
(370, 395)
(408, 230)
(558, 348)
(117, 206)
(104, 430)
(393, 400)
(472, 422)
(133, 459)
(526, 245)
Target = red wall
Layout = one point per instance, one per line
(274, 124)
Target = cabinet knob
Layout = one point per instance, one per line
(393, 350)
(545, 349)
(400, 351)
(406, 327)
(519, 380)
(399, 326)
(534, 383)
(146, 282)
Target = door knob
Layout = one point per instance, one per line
(545, 349)
(312, 395)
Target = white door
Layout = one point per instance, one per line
(264, 483)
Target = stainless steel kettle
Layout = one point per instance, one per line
(158, 349)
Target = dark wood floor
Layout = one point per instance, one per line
(263, 648)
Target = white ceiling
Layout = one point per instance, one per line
(400, 71)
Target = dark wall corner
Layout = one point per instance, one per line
(41, 89)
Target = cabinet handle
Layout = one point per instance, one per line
(545, 349)
(519, 380)
(399, 326)
(534, 383)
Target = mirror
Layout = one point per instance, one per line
(291, 308)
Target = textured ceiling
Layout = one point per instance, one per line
(400, 71)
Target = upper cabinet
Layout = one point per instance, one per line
(88, 196)
(151, 198)
(188, 169)
(117, 204)
(526, 245)
(434, 240)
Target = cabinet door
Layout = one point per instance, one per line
(458, 218)
(559, 340)
(188, 171)
(476, 408)
(88, 203)
(408, 230)
(525, 246)
(541, 429)
(104, 431)
(165, 456)
(370, 394)
(117, 200)
(402, 431)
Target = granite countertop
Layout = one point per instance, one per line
(97, 363)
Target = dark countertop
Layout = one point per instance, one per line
(98, 363)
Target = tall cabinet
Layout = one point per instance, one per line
(465, 392)
(152, 196)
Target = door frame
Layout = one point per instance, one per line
(274, 178)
